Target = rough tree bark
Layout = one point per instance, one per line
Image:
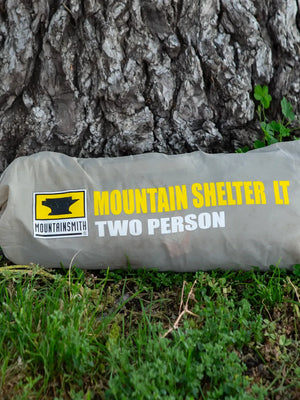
(108, 78)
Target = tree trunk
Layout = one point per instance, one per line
(107, 78)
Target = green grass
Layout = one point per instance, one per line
(149, 335)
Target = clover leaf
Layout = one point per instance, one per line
(287, 109)
(262, 94)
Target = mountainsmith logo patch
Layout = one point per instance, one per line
(60, 214)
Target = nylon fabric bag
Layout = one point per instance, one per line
(172, 212)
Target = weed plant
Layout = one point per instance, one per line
(273, 131)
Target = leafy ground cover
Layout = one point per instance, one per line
(273, 131)
(73, 334)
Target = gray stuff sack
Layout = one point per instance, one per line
(171, 212)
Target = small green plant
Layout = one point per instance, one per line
(274, 131)
(296, 270)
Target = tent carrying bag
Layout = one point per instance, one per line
(172, 212)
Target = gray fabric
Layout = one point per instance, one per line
(154, 210)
